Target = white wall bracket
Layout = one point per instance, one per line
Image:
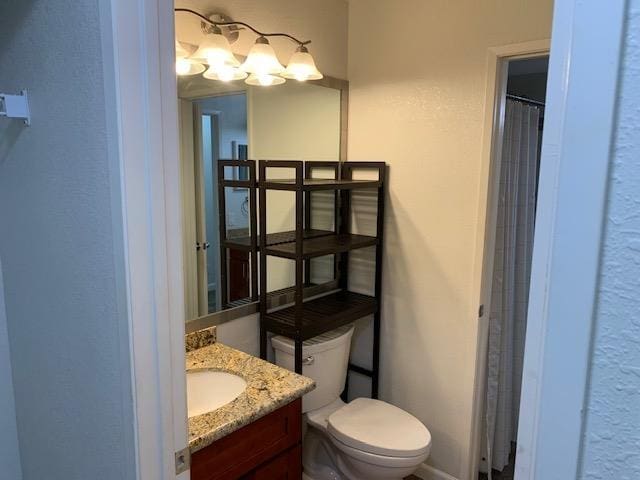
(15, 106)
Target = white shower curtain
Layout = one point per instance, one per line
(511, 273)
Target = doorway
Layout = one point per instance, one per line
(516, 180)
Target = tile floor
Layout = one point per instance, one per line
(507, 473)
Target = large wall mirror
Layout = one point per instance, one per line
(234, 121)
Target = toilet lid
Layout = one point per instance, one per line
(377, 427)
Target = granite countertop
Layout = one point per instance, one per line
(269, 387)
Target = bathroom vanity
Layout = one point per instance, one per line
(256, 435)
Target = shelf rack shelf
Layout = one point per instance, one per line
(320, 246)
(321, 314)
(244, 242)
(314, 184)
(304, 319)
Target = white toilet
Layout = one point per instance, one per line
(364, 439)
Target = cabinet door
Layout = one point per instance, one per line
(250, 447)
(286, 466)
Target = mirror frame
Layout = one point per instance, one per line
(201, 89)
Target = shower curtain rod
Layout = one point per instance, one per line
(525, 100)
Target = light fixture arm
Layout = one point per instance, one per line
(246, 25)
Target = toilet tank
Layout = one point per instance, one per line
(324, 359)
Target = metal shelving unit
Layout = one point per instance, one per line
(304, 319)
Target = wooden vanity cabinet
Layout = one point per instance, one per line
(268, 449)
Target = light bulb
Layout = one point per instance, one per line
(216, 58)
(264, 80)
(182, 66)
(262, 59)
(185, 66)
(302, 66)
(224, 74)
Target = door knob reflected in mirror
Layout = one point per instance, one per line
(203, 246)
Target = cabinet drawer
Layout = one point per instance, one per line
(240, 452)
(286, 466)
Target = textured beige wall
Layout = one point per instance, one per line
(417, 71)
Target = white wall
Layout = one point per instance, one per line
(323, 22)
(416, 102)
(610, 447)
(61, 243)
(9, 451)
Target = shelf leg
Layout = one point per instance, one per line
(263, 342)
(376, 355)
(345, 393)
(298, 354)
(378, 288)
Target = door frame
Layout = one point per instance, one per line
(569, 220)
(142, 53)
(576, 152)
(190, 237)
(214, 242)
(498, 59)
(200, 216)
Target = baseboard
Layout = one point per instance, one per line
(427, 472)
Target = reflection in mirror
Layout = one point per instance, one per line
(219, 121)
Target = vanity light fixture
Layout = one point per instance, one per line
(261, 66)
(302, 66)
(184, 65)
(262, 59)
(215, 50)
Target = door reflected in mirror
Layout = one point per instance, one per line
(218, 122)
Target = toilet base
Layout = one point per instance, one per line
(318, 457)
(321, 460)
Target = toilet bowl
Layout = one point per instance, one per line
(363, 439)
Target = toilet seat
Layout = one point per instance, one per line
(377, 428)
(320, 418)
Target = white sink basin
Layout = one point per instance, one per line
(208, 390)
